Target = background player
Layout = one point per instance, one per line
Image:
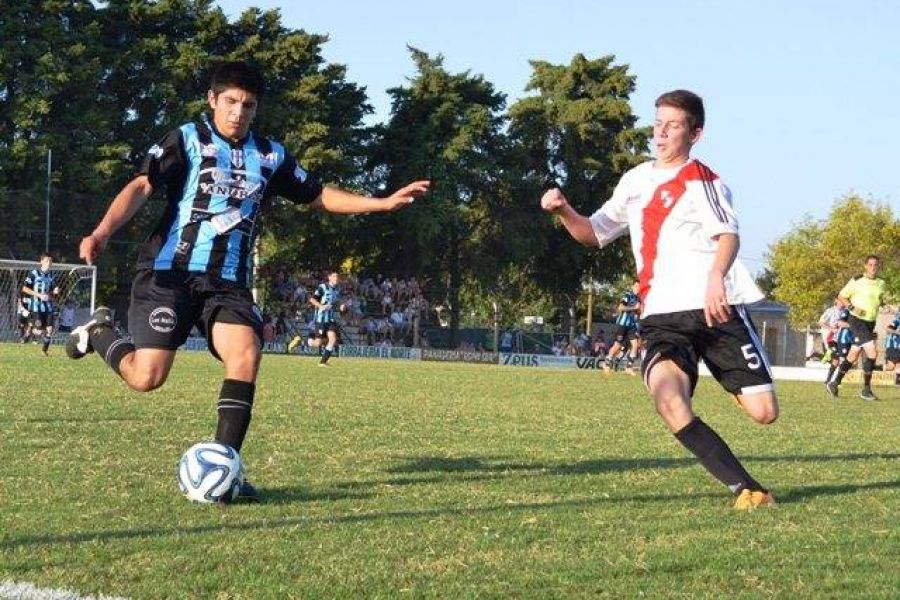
(684, 238)
(892, 348)
(840, 340)
(40, 289)
(627, 314)
(326, 299)
(325, 327)
(864, 296)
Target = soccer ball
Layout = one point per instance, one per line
(209, 472)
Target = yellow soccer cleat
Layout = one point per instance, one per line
(750, 500)
(294, 343)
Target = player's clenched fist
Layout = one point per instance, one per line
(553, 200)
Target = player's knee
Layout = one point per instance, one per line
(762, 408)
(868, 365)
(147, 380)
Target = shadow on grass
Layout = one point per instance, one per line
(354, 518)
(667, 500)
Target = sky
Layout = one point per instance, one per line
(796, 93)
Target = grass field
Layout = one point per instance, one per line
(386, 479)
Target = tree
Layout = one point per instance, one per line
(447, 127)
(811, 263)
(578, 131)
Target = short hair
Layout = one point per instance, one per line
(870, 257)
(237, 74)
(46, 255)
(687, 101)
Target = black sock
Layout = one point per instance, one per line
(235, 409)
(842, 370)
(326, 354)
(831, 369)
(867, 379)
(716, 456)
(109, 346)
(46, 340)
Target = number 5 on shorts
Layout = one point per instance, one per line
(752, 356)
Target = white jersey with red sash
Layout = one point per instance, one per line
(673, 217)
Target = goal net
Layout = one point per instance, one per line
(77, 290)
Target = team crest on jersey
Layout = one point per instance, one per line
(163, 319)
(237, 158)
(667, 198)
(208, 150)
(156, 151)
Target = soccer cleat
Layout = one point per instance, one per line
(293, 343)
(832, 388)
(247, 493)
(866, 394)
(753, 499)
(79, 342)
(321, 364)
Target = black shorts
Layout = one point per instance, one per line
(166, 305)
(24, 319)
(892, 355)
(40, 320)
(863, 331)
(322, 329)
(624, 332)
(732, 351)
(838, 350)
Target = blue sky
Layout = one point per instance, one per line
(799, 95)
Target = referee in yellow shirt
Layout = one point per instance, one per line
(864, 295)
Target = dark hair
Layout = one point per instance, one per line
(687, 101)
(871, 256)
(237, 74)
(46, 255)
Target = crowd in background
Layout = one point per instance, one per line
(377, 310)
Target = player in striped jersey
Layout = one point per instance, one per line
(627, 313)
(39, 291)
(326, 299)
(195, 267)
(840, 340)
(892, 348)
(684, 237)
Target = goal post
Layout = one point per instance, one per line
(77, 285)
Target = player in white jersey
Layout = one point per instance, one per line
(684, 236)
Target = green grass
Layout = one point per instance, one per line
(388, 479)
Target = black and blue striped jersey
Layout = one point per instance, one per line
(215, 191)
(843, 336)
(39, 282)
(892, 339)
(628, 318)
(326, 295)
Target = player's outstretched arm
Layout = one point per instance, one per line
(579, 227)
(124, 205)
(336, 200)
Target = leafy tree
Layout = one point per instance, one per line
(811, 263)
(448, 127)
(577, 131)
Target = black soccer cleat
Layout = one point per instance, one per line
(247, 493)
(832, 388)
(866, 394)
(79, 342)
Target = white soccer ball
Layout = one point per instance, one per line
(209, 472)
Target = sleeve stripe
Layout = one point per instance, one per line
(712, 196)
